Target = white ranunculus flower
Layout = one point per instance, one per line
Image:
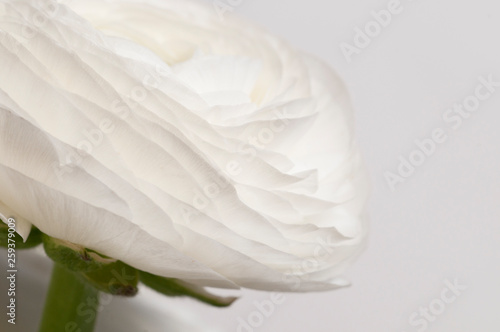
(186, 146)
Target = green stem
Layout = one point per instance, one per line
(71, 304)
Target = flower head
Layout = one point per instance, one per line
(185, 146)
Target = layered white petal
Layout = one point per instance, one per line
(185, 146)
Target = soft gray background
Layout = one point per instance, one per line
(443, 222)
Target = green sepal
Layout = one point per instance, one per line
(176, 287)
(116, 278)
(33, 240)
(73, 257)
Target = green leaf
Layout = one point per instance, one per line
(176, 287)
(34, 239)
(73, 257)
(115, 278)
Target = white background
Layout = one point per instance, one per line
(442, 223)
